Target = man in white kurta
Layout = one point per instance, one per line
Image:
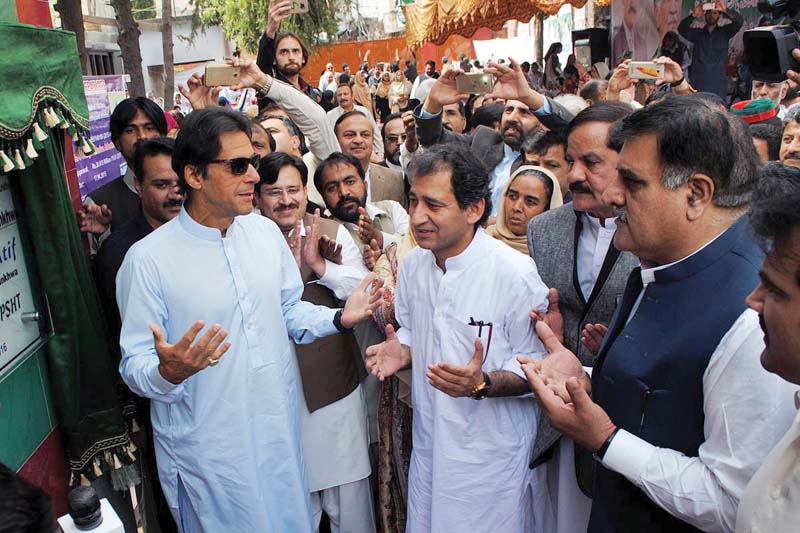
(226, 429)
(469, 466)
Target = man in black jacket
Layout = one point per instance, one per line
(283, 55)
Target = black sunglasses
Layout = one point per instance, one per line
(239, 165)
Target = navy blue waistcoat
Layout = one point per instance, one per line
(649, 372)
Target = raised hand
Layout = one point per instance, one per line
(330, 249)
(444, 92)
(698, 10)
(250, 76)
(410, 124)
(94, 218)
(509, 82)
(553, 317)
(198, 94)
(183, 359)
(559, 366)
(278, 10)
(458, 381)
(672, 71)
(577, 417)
(367, 230)
(371, 254)
(386, 358)
(367, 297)
(296, 243)
(592, 337)
(311, 253)
(620, 80)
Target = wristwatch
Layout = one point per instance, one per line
(337, 322)
(482, 389)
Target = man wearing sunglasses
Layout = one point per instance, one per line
(209, 302)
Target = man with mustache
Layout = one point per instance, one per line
(344, 97)
(394, 136)
(376, 225)
(573, 250)
(356, 137)
(680, 414)
(790, 142)
(334, 416)
(524, 110)
(161, 199)
(768, 503)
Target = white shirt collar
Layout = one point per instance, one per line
(128, 178)
(610, 223)
(649, 274)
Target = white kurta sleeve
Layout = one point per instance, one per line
(402, 310)
(345, 278)
(529, 293)
(747, 410)
(141, 303)
(305, 321)
(310, 118)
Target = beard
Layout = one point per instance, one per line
(289, 69)
(343, 214)
(394, 157)
(513, 142)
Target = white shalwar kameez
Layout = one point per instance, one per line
(227, 439)
(469, 466)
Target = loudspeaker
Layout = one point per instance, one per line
(591, 46)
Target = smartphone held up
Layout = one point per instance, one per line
(474, 83)
(221, 75)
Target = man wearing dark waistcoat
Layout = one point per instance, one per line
(680, 414)
(334, 423)
(575, 256)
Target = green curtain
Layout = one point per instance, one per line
(41, 99)
(80, 367)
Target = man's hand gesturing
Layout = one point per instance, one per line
(183, 359)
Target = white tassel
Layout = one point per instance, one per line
(39, 132)
(18, 160)
(50, 117)
(134, 428)
(65, 124)
(76, 137)
(130, 453)
(87, 149)
(84, 481)
(8, 164)
(117, 462)
(30, 150)
(96, 464)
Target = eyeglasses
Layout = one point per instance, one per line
(481, 324)
(239, 165)
(277, 192)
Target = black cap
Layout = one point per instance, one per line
(84, 508)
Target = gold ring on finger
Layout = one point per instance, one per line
(212, 361)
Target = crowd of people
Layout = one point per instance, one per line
(567, 304)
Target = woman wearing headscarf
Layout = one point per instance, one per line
(399, 93)
(530, 192)
(362, 94)
(382, 95)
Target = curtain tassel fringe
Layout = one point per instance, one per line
(37, 130)
(30, 150)
(8, 164)
(18, 161)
